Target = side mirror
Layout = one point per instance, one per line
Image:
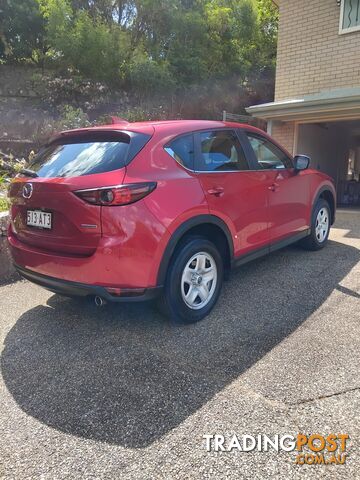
(301, 162)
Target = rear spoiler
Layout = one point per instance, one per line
(81, 131)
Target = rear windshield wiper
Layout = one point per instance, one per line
(29, 173)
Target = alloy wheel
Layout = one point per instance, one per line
(322, 224)
(199, 280)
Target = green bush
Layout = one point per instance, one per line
(146, 76)
(72, 118)
(4, 204)
(143, 114)
(70, 89)
(69, 118)
(88, 45)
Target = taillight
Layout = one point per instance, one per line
(118, 195)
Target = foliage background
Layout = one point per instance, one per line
(143, 58)
(138, 59)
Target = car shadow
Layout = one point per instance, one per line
(123, 375)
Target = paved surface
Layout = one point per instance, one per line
(119, 393)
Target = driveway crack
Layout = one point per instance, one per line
(323, 397)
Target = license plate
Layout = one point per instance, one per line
(37, 218)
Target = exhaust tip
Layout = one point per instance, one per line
(99, 301)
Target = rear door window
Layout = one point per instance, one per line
(86, 155)
(220, 151)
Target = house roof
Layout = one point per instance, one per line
(342, 104)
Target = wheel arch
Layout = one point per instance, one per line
(208, 226)
(327, 194)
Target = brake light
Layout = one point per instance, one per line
(118, 195)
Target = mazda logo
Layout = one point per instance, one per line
(27, 190)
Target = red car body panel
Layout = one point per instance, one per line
(289, 196)
(125, 246)
(178, 195)
(249, 219)
(126, 255)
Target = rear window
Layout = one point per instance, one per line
(87, 155)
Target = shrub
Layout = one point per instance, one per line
(4, 204)
(142, 114)
(87, 45)
(146, 76)
(72, 118)
(9, 167)
(56, 90)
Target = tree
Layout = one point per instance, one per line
(85, 44)
(148, 47)
(268, 18)
(262, 79)
(21, 31)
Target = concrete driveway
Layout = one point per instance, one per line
(119, 393)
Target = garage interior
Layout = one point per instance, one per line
(325, 126)
(334, 148)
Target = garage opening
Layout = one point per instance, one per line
(334, 148)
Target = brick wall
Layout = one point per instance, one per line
(312, 56)
(284, 134)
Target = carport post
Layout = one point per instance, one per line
(296, 138)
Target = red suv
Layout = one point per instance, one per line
(134, 211)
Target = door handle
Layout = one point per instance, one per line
(217, 191)
(274, 187)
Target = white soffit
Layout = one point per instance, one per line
(337, 104)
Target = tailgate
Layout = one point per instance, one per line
(75, 224)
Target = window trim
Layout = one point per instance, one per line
(197, 149)
(194, 133)
(342, 30)
(178, 137)
(259, 167)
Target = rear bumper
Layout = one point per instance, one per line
(72, 289)
(122, 261)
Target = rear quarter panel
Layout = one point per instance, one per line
(177, 198)
(179, 195)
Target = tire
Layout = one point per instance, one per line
(319, 236)
(188, 296)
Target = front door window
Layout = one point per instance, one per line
(268, 155)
